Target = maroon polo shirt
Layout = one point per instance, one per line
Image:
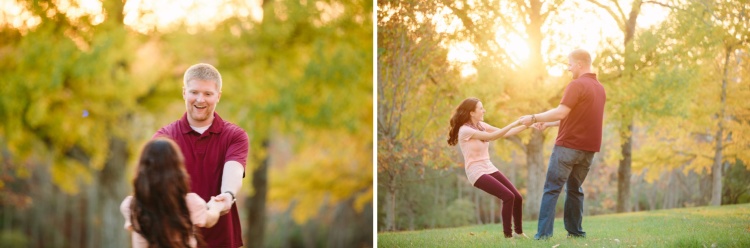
(582, 128)
(205, 155)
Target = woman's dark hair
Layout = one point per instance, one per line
(160, 213)
(461, 117)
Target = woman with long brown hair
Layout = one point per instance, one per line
(473, 136)
(162, 212)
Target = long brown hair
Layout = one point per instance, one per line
(160, 213)
(461, 116)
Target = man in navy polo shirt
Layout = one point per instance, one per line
(580, 116)
(215, 151)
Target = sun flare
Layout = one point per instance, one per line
(591, 31)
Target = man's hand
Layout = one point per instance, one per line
(223, 200)
(213, 204)
(526, 120)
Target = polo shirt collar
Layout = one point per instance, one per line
(217, 125)
(589, 75)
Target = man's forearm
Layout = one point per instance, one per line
(551, 115)
(553, 123)
(232, 177)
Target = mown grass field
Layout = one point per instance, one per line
(725, 226)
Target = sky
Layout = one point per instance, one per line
(141, 15)
(590, 28)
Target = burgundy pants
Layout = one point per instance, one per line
(496, 184)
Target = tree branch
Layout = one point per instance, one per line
(618, 19)
(461, 14)
(432, 110)
(509, 25)
(506, 22)
(517, 141)
(663, 5)
(619, 9)
(503, 53)
(522, 8)
(552, 9)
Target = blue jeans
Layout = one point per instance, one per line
(567, 167)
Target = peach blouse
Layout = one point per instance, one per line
(476, 153)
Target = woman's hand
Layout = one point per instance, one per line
(540, 126)
(544, 125)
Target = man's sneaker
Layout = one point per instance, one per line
(520, 236)
(570, 235)
(540, 237)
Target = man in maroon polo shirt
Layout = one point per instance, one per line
(580, 116)
(215, 151)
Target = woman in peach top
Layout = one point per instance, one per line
(473, 136)
(162, 213)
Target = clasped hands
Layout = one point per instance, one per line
(530, 121)
(222, 201)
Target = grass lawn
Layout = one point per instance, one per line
(725, 226)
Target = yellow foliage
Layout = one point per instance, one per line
(63, 171)
(331, 167)
(22, 172)
(362, 200)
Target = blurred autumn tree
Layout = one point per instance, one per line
(415, 94)
(85, 91)
(713, 129)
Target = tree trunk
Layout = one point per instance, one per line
(412, 217)
(477, 210)
(623, 171)
(112, 190)
(91, 206)
(256, 204)
(535, 147)
(537, 174)
(651, 194)
(716, 170)
(669, 193)
(435, 200)
(492, 211)
(390, 213)
(76, 225)
(534, 31)
(59, 220)
(718, 156)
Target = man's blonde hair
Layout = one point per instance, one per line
(203, 71)
(581, 56)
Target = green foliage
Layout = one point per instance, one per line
(13, 239)
(736, 188)
(62, 99)
(456, 214)
(691, 74)
(427, 197)
(417, 91)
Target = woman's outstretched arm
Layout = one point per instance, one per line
(544, 125)
(496, 134)
(515, 131)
